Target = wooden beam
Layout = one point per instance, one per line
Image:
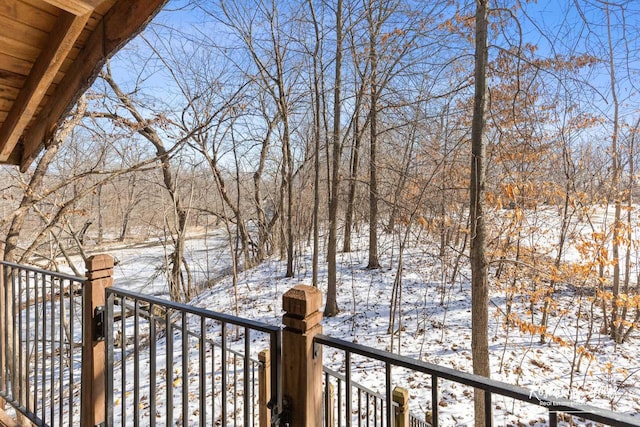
(123, 21)
(76, 7)
(63, 36)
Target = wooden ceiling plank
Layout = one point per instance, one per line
(29, 14)
(42, 6)
(124, 20)
(76, 7)
(44, 71)
(8, 92)
(14, 65)
(19, 31)
(17, 48)
(11, 79)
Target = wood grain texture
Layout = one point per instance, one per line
(42, 74)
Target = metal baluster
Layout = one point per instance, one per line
(247, 352)
(169, 369)
(123, 360)
(488, 419)
(52, 346)
(136, 362)
(185, 368)
(235, 390)
(43, 374)
(327, 392)
(203, 373)
(224, 371)
(213, 382)
(348, 408)
(434, 400)
(109, 344)
(72, 349)
(360, 408)
(36, 350)
(28, 340)
(62, 349)
(152, 365)
(339, 402)
(387, 370)
(17, 298)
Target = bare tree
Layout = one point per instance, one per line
(479, 281)
(269, 55)
(317, 95)
(331, 307)
(179, 285)
(375, 19)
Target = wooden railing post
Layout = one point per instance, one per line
(264, 388)
(99, 277)
(401, 398)
(330, 415)
(301, 362)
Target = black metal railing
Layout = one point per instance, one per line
(417, 422)
(369, 404)
(170, 363)
(205, 373)
(553, 406)
(40, 343)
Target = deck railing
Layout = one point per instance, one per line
(207, 373)
(148, 361)
(555, 407)
(367, 405)
(41, 343)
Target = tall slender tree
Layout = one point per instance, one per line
(479, 281)
(374, 23)
(331, 307)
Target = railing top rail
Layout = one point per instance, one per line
(221, 317)
(43, 271)
(488, 384)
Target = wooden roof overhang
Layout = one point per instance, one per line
(50, 52)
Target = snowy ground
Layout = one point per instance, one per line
(436, 328)
(435, 325)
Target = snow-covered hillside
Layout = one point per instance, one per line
(434, 326)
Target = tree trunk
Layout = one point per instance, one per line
(615, 189)
(100, 216)
(331, 308)
(355, 160)
(316, 151)
(264, 230)
(479, 282)
(373, 148)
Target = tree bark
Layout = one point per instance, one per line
(355, 160)
(615, 189)
(316, 150)
(331, 307)
(373, 147)
(479, 282)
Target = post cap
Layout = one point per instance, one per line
(302, 301)
(99, 262)
(400, 395)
